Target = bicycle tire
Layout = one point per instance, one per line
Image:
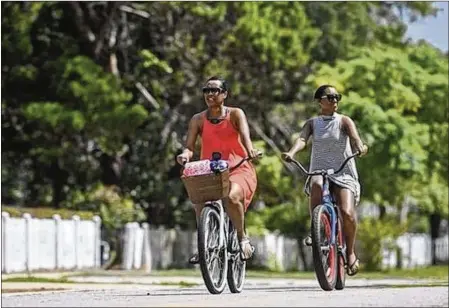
(321, 218)
(207, 214)
(341, 266)
(236, 280)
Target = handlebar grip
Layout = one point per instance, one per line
(286, 158)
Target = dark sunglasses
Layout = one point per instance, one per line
(213, 90)
(331, 97)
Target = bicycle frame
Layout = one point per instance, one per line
(327, 200)
(329, 203)
(218, 204)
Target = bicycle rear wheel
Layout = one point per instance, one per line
(341, 251)
(212, 258)
(236, 266)
(324, 252)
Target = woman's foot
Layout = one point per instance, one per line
(353, 265)
(194, 259)
(308, 240)
(246, 249)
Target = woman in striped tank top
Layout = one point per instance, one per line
(334, 137)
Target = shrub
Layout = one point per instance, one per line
(45, 212)
(373, 236)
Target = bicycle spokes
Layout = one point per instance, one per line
(215, 266)
(213, 232)
(237, 269)
(326, 247)
(213, 252)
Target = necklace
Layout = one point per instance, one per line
(219, 119)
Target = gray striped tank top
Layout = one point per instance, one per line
(330, 147)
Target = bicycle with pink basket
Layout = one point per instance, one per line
(218, 246)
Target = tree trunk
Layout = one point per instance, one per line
(111, 167)
(116, 246)
(382, 211)
(302, 253)
(59, 178)
(33, 186)
(435, 221)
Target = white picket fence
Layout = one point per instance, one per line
(145, 248)
(30, 244)
(416, 250)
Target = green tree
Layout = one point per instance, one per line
(391, 94)
(101, 92)
(387, 94)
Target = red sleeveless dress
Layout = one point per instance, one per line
(224, 138)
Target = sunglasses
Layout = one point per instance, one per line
(331, 97)
(207, 90)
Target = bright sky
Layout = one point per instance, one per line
(432, 29)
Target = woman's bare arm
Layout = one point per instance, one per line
(239, 119)
(192, 134)
(350, 129)
(304, 136)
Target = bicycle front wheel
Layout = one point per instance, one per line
(324, 252)
(236, 266)
(213, 259)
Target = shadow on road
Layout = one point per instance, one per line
(269, 289)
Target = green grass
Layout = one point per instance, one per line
(37, 279)
(439, 272)
(31, 290)
(432, 272)
(45, 212)
(182, 284)
(66, 279)
(419, 285)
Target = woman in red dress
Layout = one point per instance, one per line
(225, 130)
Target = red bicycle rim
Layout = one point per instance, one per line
(331, 255)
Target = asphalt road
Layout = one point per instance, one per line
(257, 292)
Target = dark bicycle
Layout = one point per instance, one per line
(218, 246)
(329, 249)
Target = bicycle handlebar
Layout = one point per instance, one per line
(318, 172)
(259, 155)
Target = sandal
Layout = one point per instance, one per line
(353, 269)
(308, 240)
(246, 249)
(194, 259)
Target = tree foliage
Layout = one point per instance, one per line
(97, 96)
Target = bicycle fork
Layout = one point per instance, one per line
(341, 249)
(334, 213)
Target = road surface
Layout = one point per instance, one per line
(133, 292)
